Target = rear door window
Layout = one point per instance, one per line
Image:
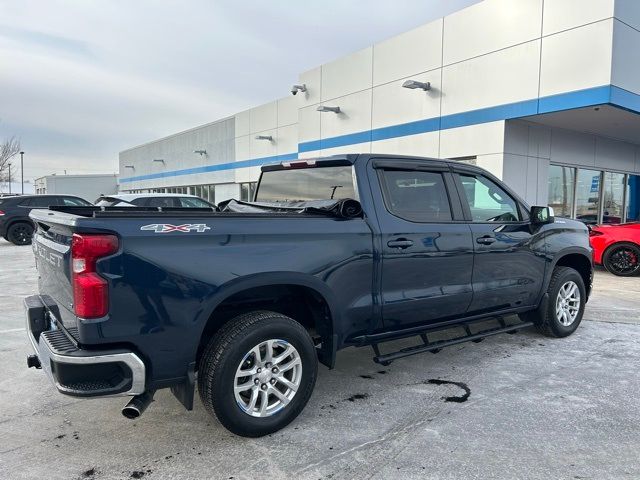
(163, 202)
(193, 202)
(40, 202)
(74, 202)
(416, 196)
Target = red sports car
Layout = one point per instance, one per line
(617, 247)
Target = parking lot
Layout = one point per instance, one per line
(538, 408)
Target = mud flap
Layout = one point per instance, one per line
(185, 391)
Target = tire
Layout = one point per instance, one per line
(548, 317)
(20, 233)
(233, 349)
(622, 259)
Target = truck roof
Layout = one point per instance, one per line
(351, 158)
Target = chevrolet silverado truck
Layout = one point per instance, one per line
(244, 299)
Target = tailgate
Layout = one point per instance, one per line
(52, 250)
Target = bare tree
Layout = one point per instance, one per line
(8, 149)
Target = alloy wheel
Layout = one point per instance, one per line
(624, 261)
(267, 378)
(568, 303)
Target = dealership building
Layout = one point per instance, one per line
(545, 94)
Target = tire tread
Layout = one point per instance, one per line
(221, 342)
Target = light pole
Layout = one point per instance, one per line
(9, 178)
(22, 172)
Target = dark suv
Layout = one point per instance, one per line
(15, 224)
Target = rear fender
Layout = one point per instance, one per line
(227, 290)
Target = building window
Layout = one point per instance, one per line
(633, 198)
(613, 197)
(588, 196)
(247, 191)
(561, 187)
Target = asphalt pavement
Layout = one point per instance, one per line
(519, 406)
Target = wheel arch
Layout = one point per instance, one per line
(293, 294)
(580, 260)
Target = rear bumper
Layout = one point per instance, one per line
(75, 371)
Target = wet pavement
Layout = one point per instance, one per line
(512, 406)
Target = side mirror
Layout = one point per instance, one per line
(542, 215)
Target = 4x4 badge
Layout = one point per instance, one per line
(167, 227)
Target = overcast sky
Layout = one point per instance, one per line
(82, 80)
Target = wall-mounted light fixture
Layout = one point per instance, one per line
(324, 108)
(413, 84)
(264, 137)
(298, 88)
(130, 166)
(200, 152)
(159, 160)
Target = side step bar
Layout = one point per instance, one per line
(427, 346)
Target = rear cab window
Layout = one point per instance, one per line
(306, 184)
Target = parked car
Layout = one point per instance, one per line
(592, 219)
(153, 200)
(617, 248)
(15, 224)
(350, 250)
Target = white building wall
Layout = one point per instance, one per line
(626, 60)
(177, 153)
(494, 61)
(89, 187)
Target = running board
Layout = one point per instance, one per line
(427, 346)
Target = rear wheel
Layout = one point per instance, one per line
(20, 233)
(622, 259)
(561, 314)
(258, 373)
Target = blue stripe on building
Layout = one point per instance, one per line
(607, 94)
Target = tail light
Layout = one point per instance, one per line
(1, 213)
(90, 290)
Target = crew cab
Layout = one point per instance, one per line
(351, 250)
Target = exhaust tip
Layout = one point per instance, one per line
(130, 412)
(137, 405)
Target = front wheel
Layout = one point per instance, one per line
(622, 259)
(561, 314)
(258, 373)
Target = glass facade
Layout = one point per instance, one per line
(612, 197)
(247, 191)
(206, 192)
(588, 195)
(562, 182)
(594, 196)
(632, 198)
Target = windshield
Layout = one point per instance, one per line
(322, 183)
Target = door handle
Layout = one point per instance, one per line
(400, 243)
(486, 240)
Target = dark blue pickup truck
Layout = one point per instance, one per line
(244, 299)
